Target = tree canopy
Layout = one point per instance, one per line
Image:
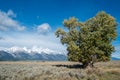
(90, 41)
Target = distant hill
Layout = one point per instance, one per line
(5, 56)
(113, 58)
(16, 53)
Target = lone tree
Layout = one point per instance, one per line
(89, 42)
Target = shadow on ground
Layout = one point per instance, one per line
(70, 66)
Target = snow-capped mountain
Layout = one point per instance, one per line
(35, 53)
(33, 49)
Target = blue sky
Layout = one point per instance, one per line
(27, 23)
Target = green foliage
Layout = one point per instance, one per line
(89, 41)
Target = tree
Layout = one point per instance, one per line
(89, 42)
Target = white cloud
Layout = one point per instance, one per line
(44, 28)
(117, 52)
(26, 39)
(32, 39)
(2, 38)
(11, 13)
(8, 23)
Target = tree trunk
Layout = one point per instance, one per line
(85, 64)
(91, 64)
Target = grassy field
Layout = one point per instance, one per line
(58, 71)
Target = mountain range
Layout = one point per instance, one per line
(17, 53)
(114, 58)
(35, 53)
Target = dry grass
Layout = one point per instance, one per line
(40, 62)
(58, 71)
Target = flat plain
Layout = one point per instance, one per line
(55, 70)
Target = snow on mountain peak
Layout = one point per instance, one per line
(41, 50)
(15, 49)
(32, 50)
